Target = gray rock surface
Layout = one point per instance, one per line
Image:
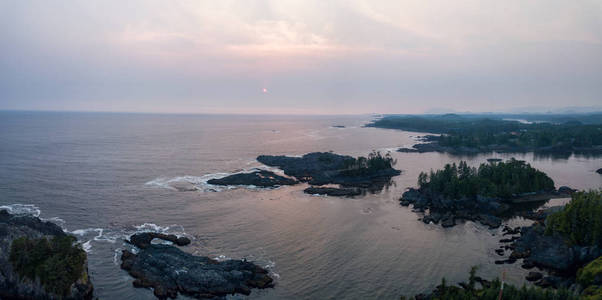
(170, 271)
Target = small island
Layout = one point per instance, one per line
(260, 178)
(471, 134)
(40, 261)
(171, 271)
(371, 173)
(484, 194)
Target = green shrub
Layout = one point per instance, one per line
(586, 275)
(580, 222)
(57, 262)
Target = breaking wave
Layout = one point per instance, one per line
(189, 183)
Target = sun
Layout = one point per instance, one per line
(264, 90)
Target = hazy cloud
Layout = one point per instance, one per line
(312, 56)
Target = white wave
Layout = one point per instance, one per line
(87, 247)
(56, 220)
(22, 209)
(222, 257)
(200, 183)
(116, 256)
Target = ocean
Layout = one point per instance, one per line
(104, 176)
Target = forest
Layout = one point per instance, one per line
(493, 179)
(483, 132)
(580, 222)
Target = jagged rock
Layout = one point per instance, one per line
(143, 240)
(527, 264)
(448, 221)
(259, 178)
(489, 220)
(533, 276)
(340, 192)
(169, 271)
(13, 285)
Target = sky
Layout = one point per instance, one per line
(299, 57)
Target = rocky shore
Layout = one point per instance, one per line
(260, 178)
(40, 261)
(171, 271)
(330, 191)
(488, 211)
(431, 144)
(321, 168)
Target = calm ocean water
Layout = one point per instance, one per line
(105, 176)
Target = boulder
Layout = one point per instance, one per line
(534, 276)
(143, 240)
(171, 271)
(329, 191)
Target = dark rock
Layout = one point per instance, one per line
(533, 276)
(169, 271)
(565, 190)
(448, 221)
(489, 220)
(259, 178)
(599, 171)
(12, 285)
(510, 231)
(320, 168)
(333, 191)
(527, 264)
(143, 240)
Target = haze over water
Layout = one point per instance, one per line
(109, 175)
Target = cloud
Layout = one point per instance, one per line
(396, 56)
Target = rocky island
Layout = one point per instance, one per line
(322, 168)
(484, 194)
(171, 271)
(259, 178)
(40, 261)
(471, 134)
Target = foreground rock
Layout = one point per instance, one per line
(329, 191)
(169, 271)
(320, 168)
(39, 261)
(551, 251)
(599, 171)
(259, 178)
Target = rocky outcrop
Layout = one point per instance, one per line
(320, 168)
(599, 171)
(25, 239)
(485, 210)
(143, 240)
(170, 271)
(551, 251)
(259, 178)
(330, 191)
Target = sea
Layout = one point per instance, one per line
(105, 176)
